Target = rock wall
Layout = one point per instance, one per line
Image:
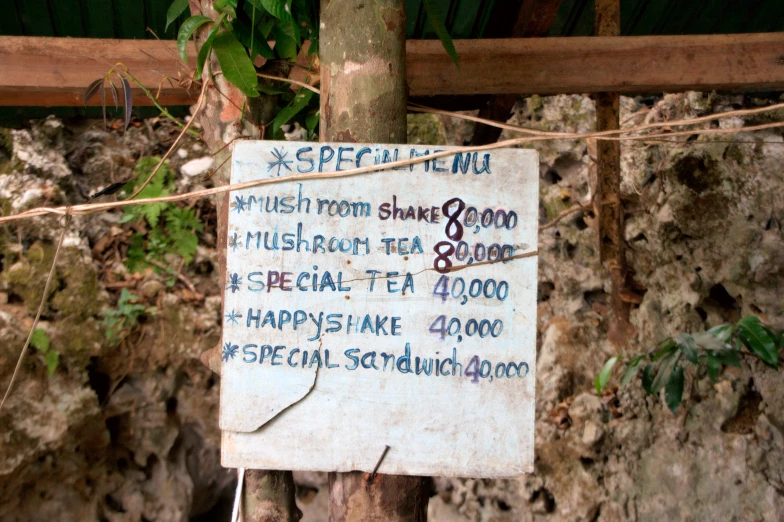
(129, 433)
(117, 433)
(704, 237)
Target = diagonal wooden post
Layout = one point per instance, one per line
(363, 99)
(609, 206)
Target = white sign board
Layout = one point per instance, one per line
(345, 330)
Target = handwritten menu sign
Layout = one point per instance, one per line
(396, 308)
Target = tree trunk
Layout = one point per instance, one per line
(363, 99)
(268, 495)
(363, 71)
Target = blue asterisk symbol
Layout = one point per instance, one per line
(234, 282)
(233, 316)
(239, 203)
(229, 351)
(234, 242)
(280, 161)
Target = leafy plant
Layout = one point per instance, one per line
(241, 34)
(41, 341)
(170, 229)
(119, 322)
(437, 19)
(99, 86)
(120, 72)
(708, 351)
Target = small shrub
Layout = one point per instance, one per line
(170, 229)
(40, 340)
(708, 351)
(119, 322)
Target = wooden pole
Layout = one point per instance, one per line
(608, 197)
(363, 99)
(268, 494)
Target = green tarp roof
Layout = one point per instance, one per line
(465, 18)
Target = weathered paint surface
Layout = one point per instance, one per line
(439, 366)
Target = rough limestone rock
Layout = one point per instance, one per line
(704, 238)
(122, 432)
(129, 432)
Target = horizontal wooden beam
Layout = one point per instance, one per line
(627, 64)
(55, 71)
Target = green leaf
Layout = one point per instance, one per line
(285, 42)
(673, 392)
(604, 375)
(631, 370)
(274, 89)
(136, 258)
(665, 347)
(714, 366)
(437, 18)
(186, 30)
(647, 378)
(175, 10)
(242, 30)
(277, 8)
(728, 357)
(221, 4)
(299, 102)
(709, 342)
(40, 340)
(311, 121)
(688, 347)
(722, 332)
(204, 50)
(300, 10)
(665, 369)
(265, 26)
(758, 340)
(185, 245)
(52, 358)
(159, 186)
(235, 63)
